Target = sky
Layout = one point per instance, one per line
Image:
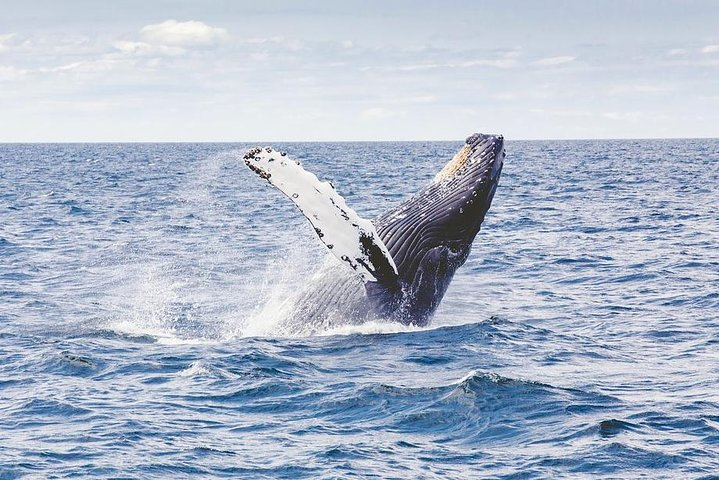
(281, 70)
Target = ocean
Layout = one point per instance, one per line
(141, 288)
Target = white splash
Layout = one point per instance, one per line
(204, 298)
(201, 368)
(377, 327)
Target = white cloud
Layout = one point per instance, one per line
(101, 65)
(675, 52)
(263, 40)
(416, 99)
(507, 62)
(551, 61)
(172, 38)
(5, 41)
(495, 63)
(10, 73)
(182, 34)
(293, 45)
(711, 49)
(146, 49)
(67, 67)
(411, 68)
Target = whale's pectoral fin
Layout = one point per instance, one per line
(349, 237)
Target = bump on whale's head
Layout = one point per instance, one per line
(431, 234)
(478, 151)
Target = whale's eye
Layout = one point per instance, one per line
(454, 249)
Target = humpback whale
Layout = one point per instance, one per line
(397, 267)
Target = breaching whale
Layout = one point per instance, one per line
(397, 267)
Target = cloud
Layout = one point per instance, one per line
(507, 60)
(67, 67)
(263, 40)
(675, 52)
(415, 99)
(6, 41)
(93, 66)
(146, 49)
(274, 41)
(408, 68)
(551, 61)
(172, 38)
(502, 63)
(711, 49)
(498, 63)
(10, 73)
(182, 34)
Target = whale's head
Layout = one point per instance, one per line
(430, 235)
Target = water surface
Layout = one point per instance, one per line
(141, 286)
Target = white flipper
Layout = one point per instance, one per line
(349, 237)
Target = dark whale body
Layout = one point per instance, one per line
(427, 237)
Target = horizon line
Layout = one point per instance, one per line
(75, 142)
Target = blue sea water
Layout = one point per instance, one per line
(141, 287)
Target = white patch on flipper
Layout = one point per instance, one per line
(345, 233)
